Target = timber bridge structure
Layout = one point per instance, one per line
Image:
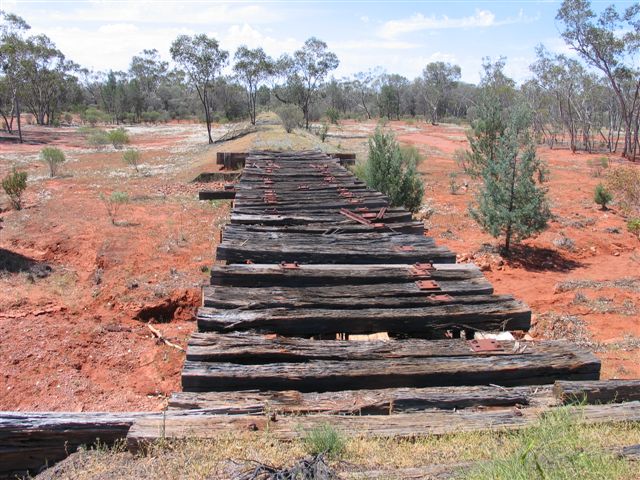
(329, 306)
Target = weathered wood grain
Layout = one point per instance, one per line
(431, 423)
(360, 402)
(603, 391)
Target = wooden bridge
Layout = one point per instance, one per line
(328, 305)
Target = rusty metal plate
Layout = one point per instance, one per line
(427, 285)
(484, 345)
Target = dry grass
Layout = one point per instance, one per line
(228, 456)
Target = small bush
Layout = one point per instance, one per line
(323, 132)
(324, 439)
(53, 157)
(151, 117)
(392, 171)
(624, 183)
(633, 225)
(290, 116)
(113, 203)
(597, 166)
(68, 118)
(453, 183)
(131, 157)
(14, 185)
(333, 115)
(602, 196)
(118, 137)
(93, 116)
(98, 138)
(461, 157)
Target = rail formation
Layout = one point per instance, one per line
(332, 307)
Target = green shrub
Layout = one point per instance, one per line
(392, 171)
(333, 115)
(633, 225)
(324, 439)
(93, 116)
(98, 138)
(14, 185)
(131, 157)
(113, 203)
(602, 196)
(290, 116)
(118, 137)
(53, 157)
(151, 117)
(68, 118)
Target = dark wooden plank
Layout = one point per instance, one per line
(603, 391)
(432, 320)
(270, 275)
(412, 425)
(335, 375)
(30, 440)
(216, 194)
(360, 402)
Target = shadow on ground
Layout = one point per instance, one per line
(12, 262)
(537, 259)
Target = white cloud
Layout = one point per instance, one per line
(419, 22)
(364, 19)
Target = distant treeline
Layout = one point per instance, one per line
(589, 104)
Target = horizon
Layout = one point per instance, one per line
(402, 37)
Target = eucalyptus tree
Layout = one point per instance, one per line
(13, 50)
(608, 42)
(304, 73)
(202, 60)
(438, 81)
(252, 69)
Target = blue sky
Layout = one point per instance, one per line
(400, 36)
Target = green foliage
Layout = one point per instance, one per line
(324, 439)
(511, 202)
(53, 157)
(597, 166)
(392, 171)
(93, 116)
(333, 115)
(555, 449)
(97, 138)
(602, 196)
(633, 225)
(131, 157)
(290, 116)
(118, 137)
(14, 185)
(624, 182)
(113, 203)
(252, 67)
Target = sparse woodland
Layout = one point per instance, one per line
(590, 104)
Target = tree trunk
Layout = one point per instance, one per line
(18, 118)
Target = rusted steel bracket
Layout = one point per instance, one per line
(485, 345)
(404, 248)
(427, 285)
(303, 187)
(381, 213)
(441, 297)
(289, 266)
(355, 217)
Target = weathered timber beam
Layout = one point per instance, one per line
(432, 423)
(430, 320)
(360, 402)
(603, 391)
